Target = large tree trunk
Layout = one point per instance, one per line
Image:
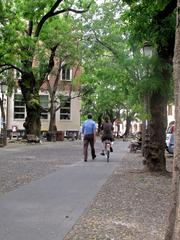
(52, 124)
(155, 140)
(52, 93)
(30, 93)
(173, 228)
(154, 146)
(155, 155)
(32, 122)
(128, 125)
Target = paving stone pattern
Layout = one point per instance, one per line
(22, 163)
(132, 205)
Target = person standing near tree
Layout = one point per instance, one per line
(89, 132)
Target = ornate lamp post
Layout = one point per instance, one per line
(147, 52)
(3, 137)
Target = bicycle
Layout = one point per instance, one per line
(107, 144)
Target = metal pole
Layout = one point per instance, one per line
(4, 135)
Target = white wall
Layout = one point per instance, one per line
(62, 125)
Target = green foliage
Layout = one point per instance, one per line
(145, 24)
(107, 40)
(20, 47)
(113, 63)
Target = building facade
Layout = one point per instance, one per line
(67, 116)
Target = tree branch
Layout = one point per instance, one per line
(169, 8)
(30, 28)
(72, 10)
(52, 13)
(9, 66)
(105, 45)
(50, 65)
(51, 59)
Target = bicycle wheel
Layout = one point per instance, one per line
(108, 155)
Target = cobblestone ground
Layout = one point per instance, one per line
(132, 205)
(22, 163)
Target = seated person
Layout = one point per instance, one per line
(107, 133)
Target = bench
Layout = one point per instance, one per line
(32, 138)
(72, 135)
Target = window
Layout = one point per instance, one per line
(66, 73)
(19, 107)
(44, 101)
(65, 110)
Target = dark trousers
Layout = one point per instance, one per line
(89, 139)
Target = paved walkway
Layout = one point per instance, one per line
(46, 209)
(131, 205)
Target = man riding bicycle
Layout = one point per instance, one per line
(107, 133)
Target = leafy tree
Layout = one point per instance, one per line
(109, 65)
(121, 31)
(62, 47)
(155, 23)
(22, 34)
(112, 89)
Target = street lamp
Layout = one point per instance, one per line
(3, 136)
(147, 52)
